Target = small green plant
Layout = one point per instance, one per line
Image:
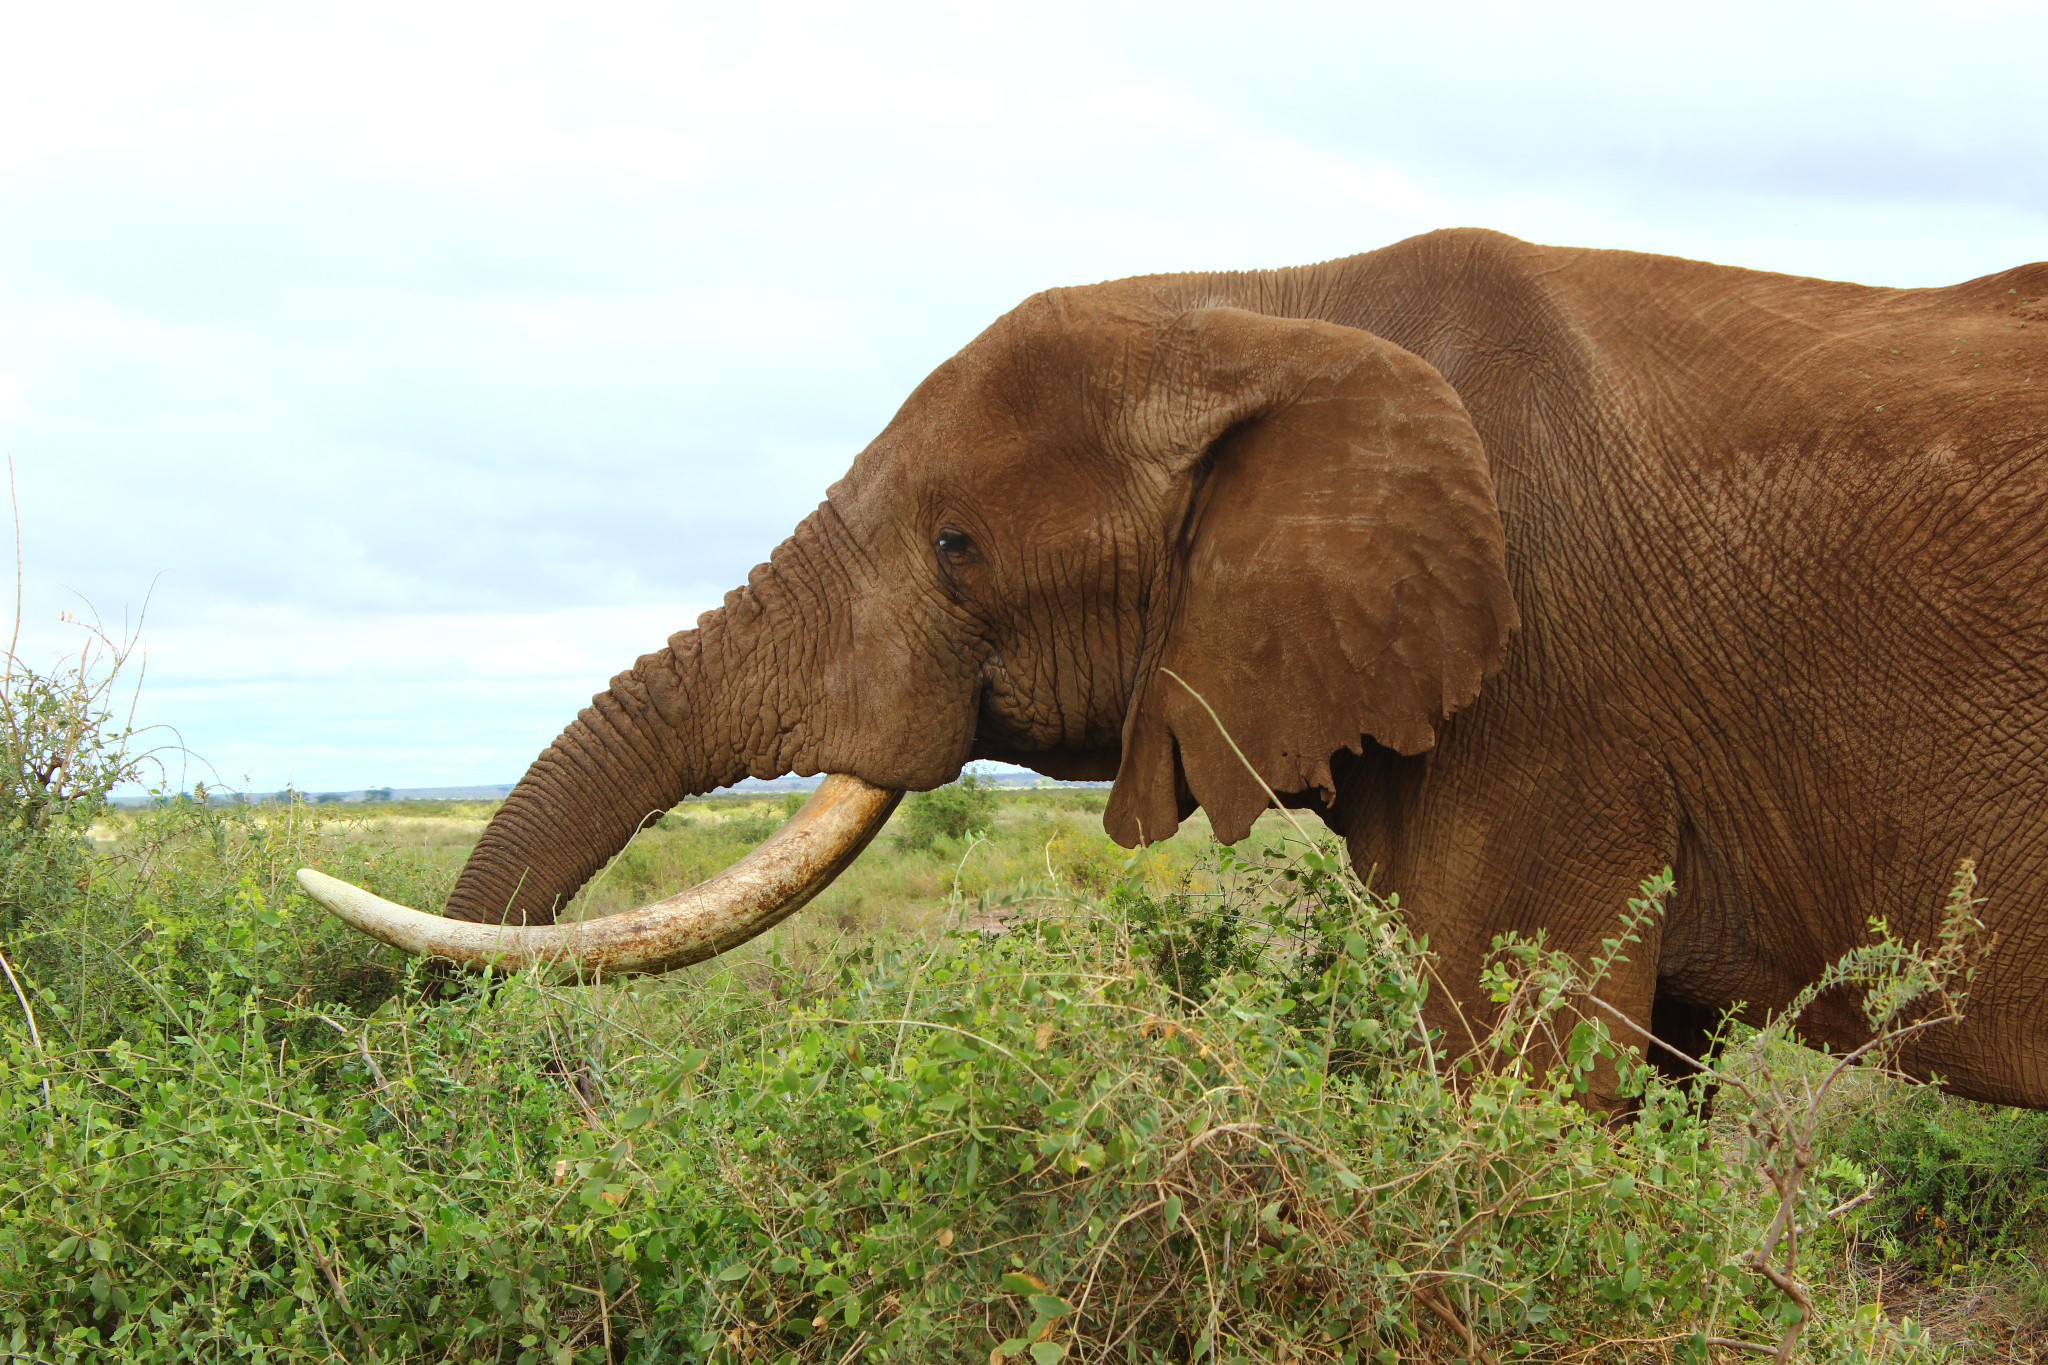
(754, 826)
(1189, 952)
(1962, 1188)
(65, 742)
(954, 811)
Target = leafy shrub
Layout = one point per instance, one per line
(1959, 1184)
(64, 744)
(1189, 951)
(750, 829)
(239, 1135)
(1022, 1148)
(955, 811)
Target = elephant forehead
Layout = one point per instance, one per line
(1058, 360)
(989, 456)
(1025, 422)
(1001, 485)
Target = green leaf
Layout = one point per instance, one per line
(1046, 1352)
(636, 1117)
(1046, 1306)
(739, 1270)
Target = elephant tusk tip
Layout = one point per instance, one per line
(315, 884)
(332, 892)
(401, 926)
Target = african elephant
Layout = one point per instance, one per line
(1531, 570)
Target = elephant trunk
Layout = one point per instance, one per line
(635, 751)
(665, 729)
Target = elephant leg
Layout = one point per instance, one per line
(1531, 834)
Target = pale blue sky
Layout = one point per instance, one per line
(435, 360)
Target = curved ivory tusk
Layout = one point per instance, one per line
(753, 895)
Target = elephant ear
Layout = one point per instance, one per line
(1339, 569)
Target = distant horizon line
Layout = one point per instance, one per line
(490, 791)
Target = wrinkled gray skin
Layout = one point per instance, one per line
(1532, 570)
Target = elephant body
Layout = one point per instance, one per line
(1533, 570)
(1781, 551)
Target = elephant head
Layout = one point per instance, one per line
(1134, 530)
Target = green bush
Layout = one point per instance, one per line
(955, 811)
(1024, 1147)
(1137, 1127)
(63, 746)
(1189, 952)
(1960, 1185)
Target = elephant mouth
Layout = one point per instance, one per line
(753, 895)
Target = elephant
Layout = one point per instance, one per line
(1531, 570)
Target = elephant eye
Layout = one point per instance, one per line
(954, 545)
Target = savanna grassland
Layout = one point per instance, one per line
(1005, 1092)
